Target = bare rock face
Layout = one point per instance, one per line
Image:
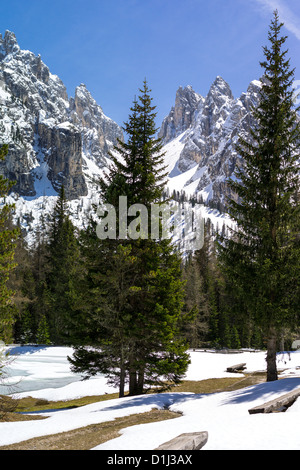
(99, 133)
(62, 145)
(51, 137)
(181, 115)
(201, 153)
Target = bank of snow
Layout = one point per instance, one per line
(224, 415)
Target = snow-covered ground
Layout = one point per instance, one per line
(44, 372)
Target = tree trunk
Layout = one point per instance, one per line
(122, 382)
(136, 380)
(132, 382)
(271, 356)
(140, 381)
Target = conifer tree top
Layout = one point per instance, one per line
(137, 171)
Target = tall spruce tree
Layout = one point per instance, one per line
(106, 315)
(34, 273)
(136, 286)
(63, 274)
(261, 257)
(137, 169)
(195, 303)
(8, 238)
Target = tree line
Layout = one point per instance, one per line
(131, 308)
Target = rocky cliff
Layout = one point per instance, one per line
(199, 136)
(53, 139)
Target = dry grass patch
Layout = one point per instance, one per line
(29, 404)
(224, 384)
(8, 408)
(90, 436)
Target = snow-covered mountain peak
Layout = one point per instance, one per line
(84, 104)
(46, 130)
(9, 43)
(83, 94)
(181, 115)
(219, 95)
(53, 139)
(221, 87)
(202, 157)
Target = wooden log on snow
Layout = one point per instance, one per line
(285, 401)
(237, 367)
(186, 441)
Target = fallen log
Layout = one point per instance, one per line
(236, 368)
(186, 441)
(284, 401)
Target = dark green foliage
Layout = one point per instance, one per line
(32, 289)
(8, 238)
(42, 334)
(261, 257)
(196, 307)
(51, 276)
(141, 175)
(64, 272)
(134, 286)
(22, 283)
(216, 319)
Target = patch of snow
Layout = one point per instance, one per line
(223, 415)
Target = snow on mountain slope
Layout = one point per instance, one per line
(200, 151)
(54, 139)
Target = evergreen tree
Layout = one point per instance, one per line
(135, 285)
(195, 304)
(106, 315)
(25, 328)
(261, 257)
(64, 272)
(34, 274)
(42, 335)
(8, 238)
(18, 283)
(137, 171)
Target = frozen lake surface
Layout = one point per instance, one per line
(223, 415)
(37, 368)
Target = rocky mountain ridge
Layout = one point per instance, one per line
(53, 139)
(199, 135)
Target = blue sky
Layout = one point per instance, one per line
(112, 45)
